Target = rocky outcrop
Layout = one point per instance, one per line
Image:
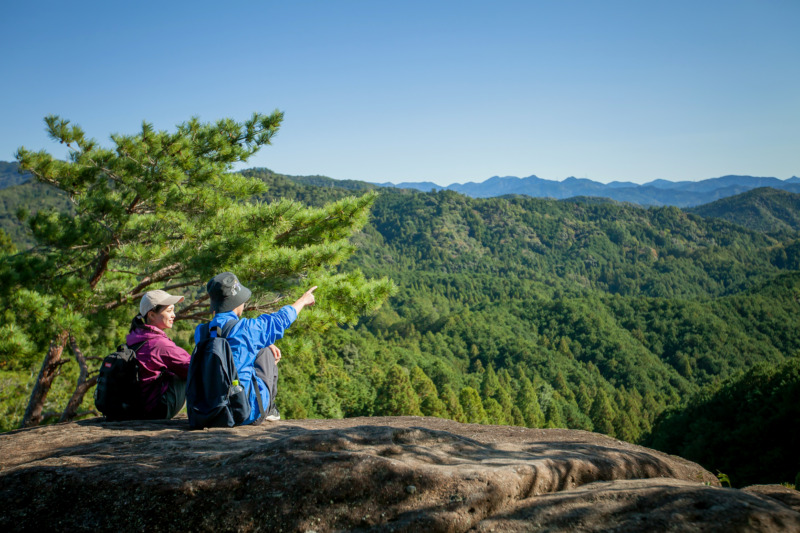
(388, 474)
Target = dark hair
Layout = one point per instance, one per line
(140, 321)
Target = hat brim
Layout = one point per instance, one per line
(172, 300)
(232, 302)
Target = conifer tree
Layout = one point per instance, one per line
(163, 210)
(450, 399)
(602, 414)
(397, 397)
(562, 387)
(429, 402)
(490, 383)
(471, 403)
(553, 412)
(583, 399)
(516, 417)
(528, 402)
(494, 412)
(503, 397)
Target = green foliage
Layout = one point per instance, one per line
(528, 403)
(163, 210)
(746, 426)
(396, 396)
(472, 406)
(425, 389)
(765, 209)
(587, 315)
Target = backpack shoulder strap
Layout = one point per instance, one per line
(135, 347)
(226, 329)
(205, 331)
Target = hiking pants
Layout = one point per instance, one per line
(171, 401)
(267, 369)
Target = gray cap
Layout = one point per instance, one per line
(226, 292)
(151, 299)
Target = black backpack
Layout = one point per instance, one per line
(117, 392)
(212, 398)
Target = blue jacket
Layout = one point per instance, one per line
(247, 338)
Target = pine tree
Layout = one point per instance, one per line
(472, 405)
(516, 417)
(490, 383)
(503, 397)
(528, 403)
(450, 399)
(397, 397)
(164, 210)
(429, 402)
(583, 399)
(494, 412)
(553, 412)
(562, 387)
(602, 414)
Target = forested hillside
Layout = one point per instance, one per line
(18, 202)
(766, 209)
(594, 315)
(584, 314)
(10, 175)
(746, 426)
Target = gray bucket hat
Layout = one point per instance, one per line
(226, 292)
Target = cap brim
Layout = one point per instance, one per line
(172, 300)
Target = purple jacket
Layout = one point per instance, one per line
(158, 354)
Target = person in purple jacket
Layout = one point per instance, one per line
(163, 365)
(251, 341)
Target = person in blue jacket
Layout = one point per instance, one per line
(251, 340)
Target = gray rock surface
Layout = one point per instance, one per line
(383, 474)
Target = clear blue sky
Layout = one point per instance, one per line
(446, 91)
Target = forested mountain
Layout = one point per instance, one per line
(585, 314)
(10, 175)
(655, 193)
(17, 202)
(765, 209)
(659, 192)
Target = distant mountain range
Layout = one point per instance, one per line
(658, 192)
(655, 193)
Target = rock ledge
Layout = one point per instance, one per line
(388, 474)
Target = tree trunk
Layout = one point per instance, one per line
(84, 384)
(52, 362)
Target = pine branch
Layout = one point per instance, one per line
(185, 284)
(159, 275)
(103, 257)
(194, 316)
(137, 291)
(186, 311)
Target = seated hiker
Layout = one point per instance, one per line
(251, 341)
(163, 365)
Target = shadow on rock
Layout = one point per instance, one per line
(403, 474)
